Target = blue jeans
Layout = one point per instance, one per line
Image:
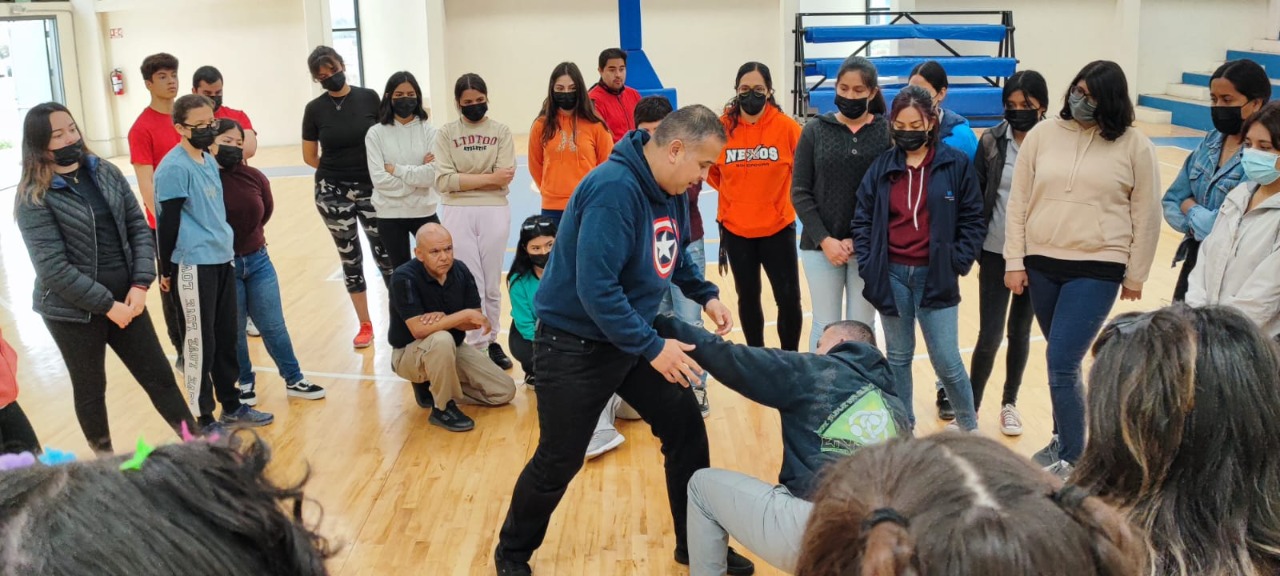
(258, 296)
(685, 309)
(836, 292)
(1070, 313)
(941, 328)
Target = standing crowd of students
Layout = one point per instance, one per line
(897, 200)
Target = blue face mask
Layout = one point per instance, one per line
(1260, 166)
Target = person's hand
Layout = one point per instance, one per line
(848, 246)
(120, 314)
(1016, 281)
(676, 366)
(1127, 294)
(136, 300)
(389, 169)
(1187, 204)
(431, 318)
(503, 176)
(429, 158)
(721, 315)
(472, 319)
(836, 252)
(164, 284)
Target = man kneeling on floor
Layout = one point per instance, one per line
(832, 402)
(434, 301)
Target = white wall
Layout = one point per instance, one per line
(260, 47)
(1192, 35)
(393, 34)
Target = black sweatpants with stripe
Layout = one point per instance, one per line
(206, 297)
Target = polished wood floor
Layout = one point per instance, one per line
(402, 497)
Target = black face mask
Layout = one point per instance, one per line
(565, 100)
(69, 154)
(202, 138)
(334, 83)
(540, 260)
(852, 108)
(910, 140)
(1227, 119)
(217, 102)
(475, 112)
(404, 107)
(752, 102)
(229, 156)
(1022, 120)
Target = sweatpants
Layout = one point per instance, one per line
(397, 236)
(16, 434)
(766, 519)
(341, 204)
(457, 373)
(207, 296)
(84, 349)
(777, 255)
(480, 241)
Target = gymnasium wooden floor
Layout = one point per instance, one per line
(402, 497)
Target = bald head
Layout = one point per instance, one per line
(435, 249)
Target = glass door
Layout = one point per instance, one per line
(30, 73)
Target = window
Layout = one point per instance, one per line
(883, 47)
(344, 20)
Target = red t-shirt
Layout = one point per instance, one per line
(233, 114)
(909, 215)
(151, 137)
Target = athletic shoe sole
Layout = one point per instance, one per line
(614, 442)
(314, 395)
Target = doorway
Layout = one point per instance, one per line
(30, 73)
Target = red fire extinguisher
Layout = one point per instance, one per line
(117, 81)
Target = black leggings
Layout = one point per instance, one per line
(1184, 275)
(993, 309)
(777, 255)
(396, 235)
(16, 434)
(520, 348)
(84, 349)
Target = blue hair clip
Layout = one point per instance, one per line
(55, 457)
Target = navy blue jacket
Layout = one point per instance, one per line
(956, 227)
(619, 248)
(830, 405)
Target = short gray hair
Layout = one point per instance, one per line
(853, 331)
(690, 124)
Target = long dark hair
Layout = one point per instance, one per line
(535, 226)
(1249, 79)
(933, 73)
(584, 110)
(733, 108)
(37, 160)
(882, 511)
(866, 70)
(197, 508)
(1183, 404)
(918, 98)
(469, 81)
(1030, 83)
(1110, 89)
(387, 115)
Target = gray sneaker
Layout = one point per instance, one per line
(603, 441)
(246, 417)
(1049, 455)
(1062, 469)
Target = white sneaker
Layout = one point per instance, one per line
(603, 441)
(252, 330)
(1010, 421)
(1063, 470)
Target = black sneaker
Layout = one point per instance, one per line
(1049, 455)
(945, 411)
(738, 565)
(499, 357)
(304, 389)
(248, 396)
(422, 394)
(451, 419)
(511, 568)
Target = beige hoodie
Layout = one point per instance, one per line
(1239, 263)
(465, 148)
(1076, 196)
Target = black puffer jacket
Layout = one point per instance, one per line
(60, 237)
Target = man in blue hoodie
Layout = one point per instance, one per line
(831, 403)
(619, 248)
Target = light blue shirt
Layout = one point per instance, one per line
(204, 237)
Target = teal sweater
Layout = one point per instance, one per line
(522, 289)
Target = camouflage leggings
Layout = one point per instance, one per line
(341, 204)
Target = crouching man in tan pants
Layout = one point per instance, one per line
(434, 302)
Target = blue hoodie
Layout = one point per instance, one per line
(956, 133)
(619, 248)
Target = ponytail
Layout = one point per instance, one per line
(1117, 550)
(887, 547)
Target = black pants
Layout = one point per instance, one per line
(777, 255)
(520, 348)
(16, 434)
(993, 308)
(84, 349)
(206, 296)
(396, 234)
(1184, 275)
(576, 378)
(169, 309)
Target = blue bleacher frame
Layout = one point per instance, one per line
(801, 89)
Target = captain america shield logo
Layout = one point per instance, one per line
(665, 243)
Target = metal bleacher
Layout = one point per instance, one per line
(978, 98)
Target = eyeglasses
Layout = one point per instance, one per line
(207, 126)
(1080, 92)
(545, 224)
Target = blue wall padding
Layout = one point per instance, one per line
(969, 100)
(670, 94)
(629, 25)
(974, 32)
(902, 65)
(640, 72)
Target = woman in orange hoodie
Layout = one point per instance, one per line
(567, 140)
(16, 434)
(757, 221)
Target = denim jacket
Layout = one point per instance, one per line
(1200, 178)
